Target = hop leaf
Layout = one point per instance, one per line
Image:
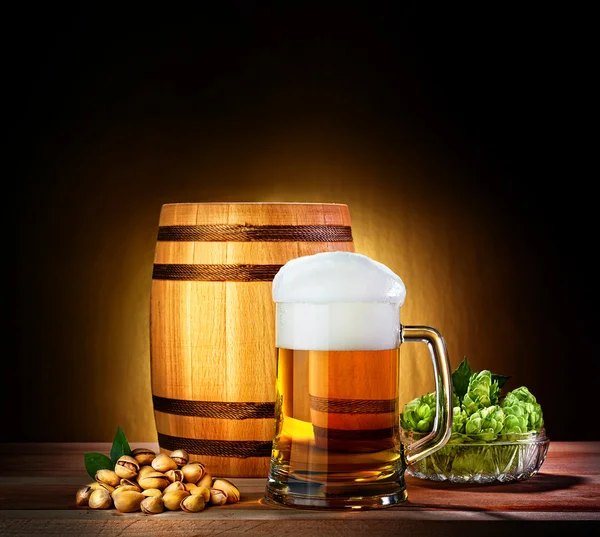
(460, 379)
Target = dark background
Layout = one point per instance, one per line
(114, 111)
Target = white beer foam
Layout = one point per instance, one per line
(337, 301)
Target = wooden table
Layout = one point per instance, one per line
(38, 484)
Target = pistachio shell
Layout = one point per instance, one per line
(152, 492)
(192, 503)
(177, 485)
(174, 475)
(83, 495)
(205, 481)
(154, 480)
(193, 471)
(100, 499)
(123, 488)
(180, 456)
(217, 497)
(163, 463)
(173, 499)
(152, 505)
(108, 476)
(127, 467)
(143, 456)
(232, 492)
(145, 470)
(190, 487)
(131, 483)
(96, 485)
(202, 491)
(128, 501)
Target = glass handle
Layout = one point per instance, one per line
(442, 424)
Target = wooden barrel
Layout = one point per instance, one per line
(212, 323)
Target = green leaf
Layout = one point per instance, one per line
(500, 379)
(96, 461)
(120, 446)
(460, 378)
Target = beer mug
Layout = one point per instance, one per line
(338, 334)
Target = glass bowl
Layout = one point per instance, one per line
(477, 459)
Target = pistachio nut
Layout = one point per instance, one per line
(131, 483)
(193, 471)
(128, 501)
(163, 463)
(152, 505)
(192, 503)
(143, 456)
(152, 492)
(202, 491)
(109, 477)
(217, 497)
(180, 456)
(190, 487)
(122, 488)
(232, 492)
(96, 485)
(83, 495)
(127, 467)
(100, 499)
(205, 481)
(174, 475)
(154, 480)
(173, 499)
(145, 470)
(176, 485)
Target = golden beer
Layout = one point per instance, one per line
(336, 418)
(337, 441)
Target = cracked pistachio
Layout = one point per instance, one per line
(193, 472)
(152, 505)
(232, 492)
(172, 500)
(192, 503)
(143, 456)
(100, 499)
(83, 495)
(180, 456)
(128, 501)
(163, 463)
(174, 475)
(127, 467)
(217, 497)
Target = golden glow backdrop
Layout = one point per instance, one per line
(452, 144)
(459, 277)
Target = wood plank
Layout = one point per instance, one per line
(304, 525)
(38, 483)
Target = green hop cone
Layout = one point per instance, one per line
(459, 420)
(523, 394)
(523, 412)
(486, 423)
(418, 414)
(482, 392)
